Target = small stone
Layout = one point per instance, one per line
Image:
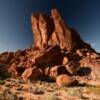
(50, 90)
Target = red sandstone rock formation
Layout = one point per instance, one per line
(57, 49)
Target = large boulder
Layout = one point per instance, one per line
(64, 80)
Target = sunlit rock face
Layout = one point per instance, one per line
(57, 49)
(52, 30)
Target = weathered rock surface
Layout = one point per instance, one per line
(57, 49)
(64, 80)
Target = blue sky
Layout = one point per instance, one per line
(15, 25)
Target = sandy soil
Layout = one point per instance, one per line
(17, 89)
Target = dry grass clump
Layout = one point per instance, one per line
(50, 97)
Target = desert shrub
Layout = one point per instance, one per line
(38, 90)
(50, 97)
(8, 95)
(2, 82)
(3, 71)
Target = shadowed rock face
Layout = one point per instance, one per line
(77, 41)
(57, 49)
